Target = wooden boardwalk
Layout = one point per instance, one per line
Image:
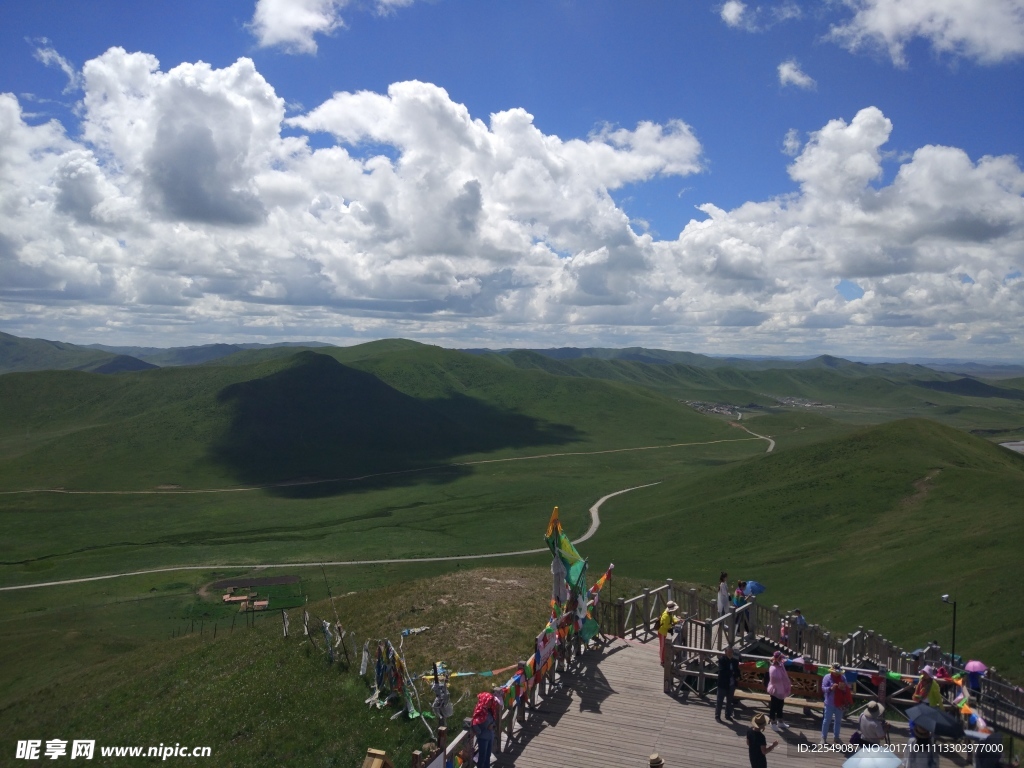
(612, 713)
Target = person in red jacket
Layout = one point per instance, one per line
(837, 696)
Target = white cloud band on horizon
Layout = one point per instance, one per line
(184, 207)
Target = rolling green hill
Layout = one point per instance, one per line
(385, 407)
(864, 529)
(17, 354)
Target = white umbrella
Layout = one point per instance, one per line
(873, 757)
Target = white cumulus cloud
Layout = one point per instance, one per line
(791, 74)
(989, 31)
(181, 208)
(294, 24)
(732, 12)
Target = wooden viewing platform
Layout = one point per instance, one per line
(611, 712)
(614, 704)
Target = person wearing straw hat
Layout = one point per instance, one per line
(665, 623)
(872, 726)
(920, 750)
(757, 744)
(655, 761)
(833, 683)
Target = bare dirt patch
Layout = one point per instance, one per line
(922, 488)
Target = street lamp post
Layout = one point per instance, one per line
(952, 652)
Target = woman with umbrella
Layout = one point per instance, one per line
(975, 669)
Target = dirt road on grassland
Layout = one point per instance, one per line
(595, 517)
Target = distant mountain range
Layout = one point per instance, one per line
(755, 363)
(20, 354)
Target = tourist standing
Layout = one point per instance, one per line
(927, 690)
(872, 726)
(739, 600)
(723, 594)
(757, 744)
(728, 677)
(779, 687)
(665, 623)
(836, 691)
(796, 630)
(484, 725)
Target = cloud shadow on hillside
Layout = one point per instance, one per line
(319, 421)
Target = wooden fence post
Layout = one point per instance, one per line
(883, 697)
(620, 617)
(694, 607)
(670, 658)
(732, 625)
(647, 612)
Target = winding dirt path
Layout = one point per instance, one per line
(595, 523)
(177, 492)
(771, 443)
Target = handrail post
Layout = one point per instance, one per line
(707, 634)
(732, 625)
(670, 596)
(752, 623)
(883, 697)
(694, 608)
(670, 658)
(470, 739)
(620, 616)
(647, 612)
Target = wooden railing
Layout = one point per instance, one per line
(513, 718)
(703, 635)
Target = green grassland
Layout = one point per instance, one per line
(259, 699)
(371, 452)
(868, 529)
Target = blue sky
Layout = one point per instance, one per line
(856, 165)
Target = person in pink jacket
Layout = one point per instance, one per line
(779, 687)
